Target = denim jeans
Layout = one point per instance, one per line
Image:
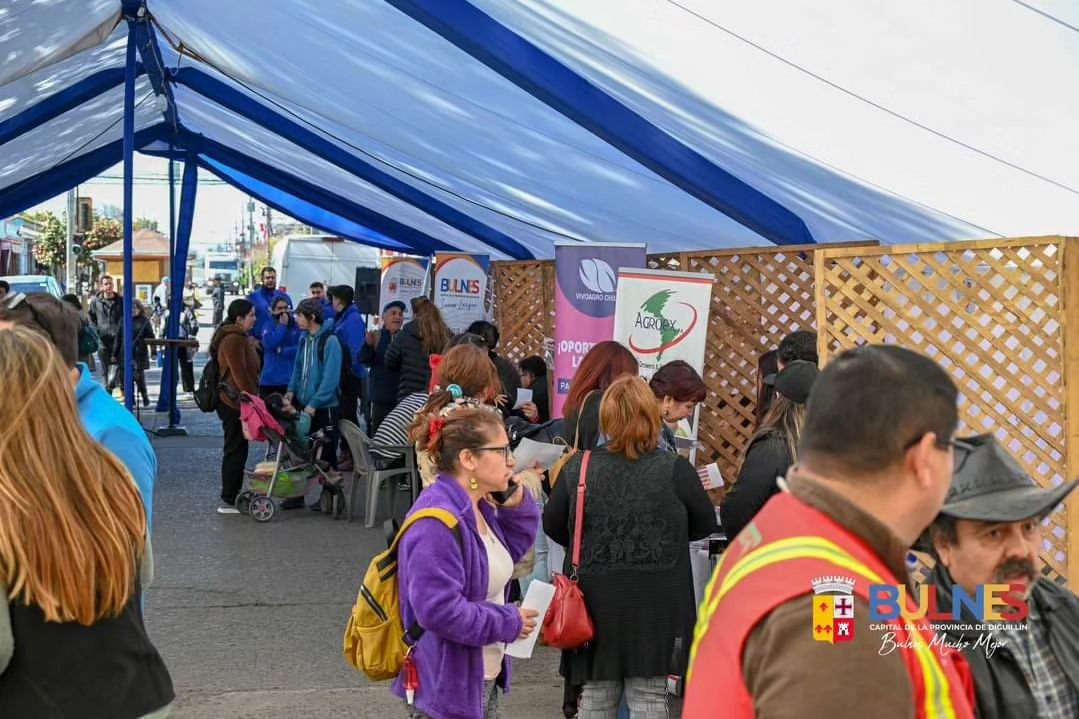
(646, 698)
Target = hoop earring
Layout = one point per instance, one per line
(473, 483)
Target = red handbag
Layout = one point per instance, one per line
(567, 624)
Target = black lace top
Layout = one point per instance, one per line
(639, 519)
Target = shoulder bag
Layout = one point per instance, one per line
(567, 624)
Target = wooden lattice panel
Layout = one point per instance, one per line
(991, 313)
(521, 301)
(759, 296)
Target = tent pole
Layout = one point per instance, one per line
(129, 159)
(188, 190)
(166, 398)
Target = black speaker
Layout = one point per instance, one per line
(368, 285)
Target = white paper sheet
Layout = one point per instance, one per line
(539, 597)
(530, 452)
(524, 396)
(710, 476)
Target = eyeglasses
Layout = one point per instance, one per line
(504, 449)
(961, 449)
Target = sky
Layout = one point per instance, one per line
(218, 206)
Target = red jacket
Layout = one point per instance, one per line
(802, 544)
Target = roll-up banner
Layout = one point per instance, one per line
(402, 279)
(662, 316)
(461, 288)
(586, 282)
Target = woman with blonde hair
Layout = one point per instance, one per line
(72, 542)
(642, 507)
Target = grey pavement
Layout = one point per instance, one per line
(249, 617)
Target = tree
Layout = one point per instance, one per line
(50, 248)
(144, 223)
(105, 233)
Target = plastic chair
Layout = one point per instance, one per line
(364, 466)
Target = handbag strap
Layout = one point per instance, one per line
(578, 523)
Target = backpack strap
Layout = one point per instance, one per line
(415, 631)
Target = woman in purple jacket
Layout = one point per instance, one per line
(455, 588)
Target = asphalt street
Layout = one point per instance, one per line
(249, 617)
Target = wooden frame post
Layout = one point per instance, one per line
(1070, 314)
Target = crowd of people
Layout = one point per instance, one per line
(851, 466)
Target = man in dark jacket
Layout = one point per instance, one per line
(383, 381)
(218, 295)
(989, 532)
(107, 316)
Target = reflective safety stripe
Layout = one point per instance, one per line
(936, 690)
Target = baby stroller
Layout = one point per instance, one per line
(296, 459)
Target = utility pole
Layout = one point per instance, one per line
(269, 224)
(69, 252)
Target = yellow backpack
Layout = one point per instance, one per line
(374, 639)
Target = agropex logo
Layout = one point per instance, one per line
(661, 324)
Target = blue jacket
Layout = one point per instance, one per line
(263, 301)
(351, 331)
(328, 312)
(384, 381)
(279, 345)
(117, 430)
(315, 379)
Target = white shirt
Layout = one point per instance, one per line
(499, 571)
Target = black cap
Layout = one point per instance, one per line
(795, 380)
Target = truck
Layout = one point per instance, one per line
(224, 266)
(303, 259)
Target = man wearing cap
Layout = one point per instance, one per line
(773, 639)
(989, 531)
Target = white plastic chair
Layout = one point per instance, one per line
(363, 465)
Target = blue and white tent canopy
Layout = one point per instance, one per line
(503, 126)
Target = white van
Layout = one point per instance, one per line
(303, 259)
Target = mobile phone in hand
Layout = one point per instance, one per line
(504, 496)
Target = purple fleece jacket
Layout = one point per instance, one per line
(443, 586)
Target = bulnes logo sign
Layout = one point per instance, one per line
(597, 276)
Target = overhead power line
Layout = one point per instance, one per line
(872, 103)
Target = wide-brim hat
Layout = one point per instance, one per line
(795, 380)
(989, 485)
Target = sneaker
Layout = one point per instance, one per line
(227, 509)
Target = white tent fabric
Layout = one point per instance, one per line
(867, 120)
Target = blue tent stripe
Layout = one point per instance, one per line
(308, 198)
(150, 53)
(306, 212)
(544, 77)
(54, 181)
(60, 102)
(243, 105)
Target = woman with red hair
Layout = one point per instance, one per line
(679, 389)
(604, 363)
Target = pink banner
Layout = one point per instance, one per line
(586, 285)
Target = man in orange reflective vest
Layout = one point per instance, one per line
(785, 628)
